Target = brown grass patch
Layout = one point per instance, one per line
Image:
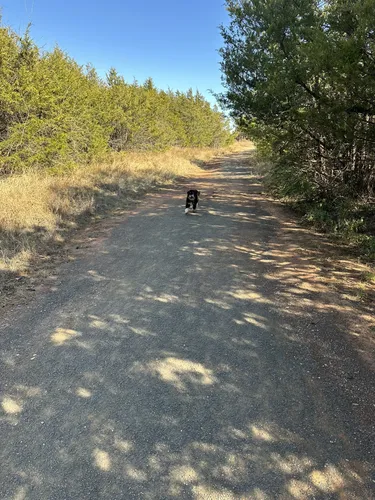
(37, 211)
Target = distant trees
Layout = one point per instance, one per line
(300, 81)
(55, 113)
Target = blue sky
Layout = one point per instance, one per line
(173, 41)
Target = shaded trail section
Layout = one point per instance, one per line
(193, 357)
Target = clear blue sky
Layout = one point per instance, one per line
(173, 41)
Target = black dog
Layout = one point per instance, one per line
(192, 198)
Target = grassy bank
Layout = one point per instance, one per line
(38, 211)
(351, 223)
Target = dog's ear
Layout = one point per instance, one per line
(198, 193)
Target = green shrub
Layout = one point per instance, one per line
(55, 113)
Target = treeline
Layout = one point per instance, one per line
(55, 113)
(300, 81)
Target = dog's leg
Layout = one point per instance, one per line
(187, 205)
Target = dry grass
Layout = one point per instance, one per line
(36, 208)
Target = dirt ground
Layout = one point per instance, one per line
(224, 354)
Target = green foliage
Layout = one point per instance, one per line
(350, 221)
(300, 82)
(55, 113)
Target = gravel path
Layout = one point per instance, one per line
(186, 357)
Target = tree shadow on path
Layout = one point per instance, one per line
(191, 357)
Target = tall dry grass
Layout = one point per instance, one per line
(36, 210)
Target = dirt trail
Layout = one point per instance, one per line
(219, 355)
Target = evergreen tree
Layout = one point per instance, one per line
(300, 80)
(55, 113)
